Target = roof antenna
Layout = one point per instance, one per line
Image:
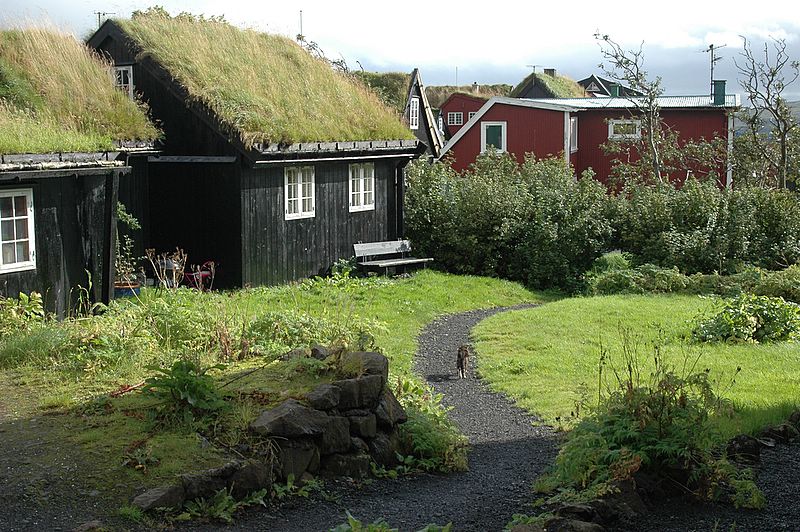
(533, 74)
(714, 58)
(101, 14)
(300, 36)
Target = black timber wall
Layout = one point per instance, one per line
(423, 132)
(195, 206)
(275, 250)
(74, 228)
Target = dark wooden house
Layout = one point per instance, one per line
(267, 208)
(420, 117)
(595, 86)
(58, 204)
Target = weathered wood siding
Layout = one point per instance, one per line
(73, 225)
(275, 250)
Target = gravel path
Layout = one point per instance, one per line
(508, 452)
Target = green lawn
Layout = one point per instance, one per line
(547, 358)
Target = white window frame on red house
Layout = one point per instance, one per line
(504, 130)
(413, 113)
(299, 192)
(362, 187)
(573, 134)
(455, 118)
(471, 114)
(12, 222)
(119, 79)
(613, 135)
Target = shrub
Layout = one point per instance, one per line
(751, 318)
(186, 389)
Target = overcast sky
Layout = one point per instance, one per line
(487, 42)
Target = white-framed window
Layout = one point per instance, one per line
(123, 79)
(471, 114)
(455, 119)
(299, 192)
(413, 113)
(493, 134)
(440, 123)
(362, 187)
(624, 129)
(573, 134)
(18, 251)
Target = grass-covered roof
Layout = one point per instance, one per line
(438, 94)
(265, 88)
(555, 86)
(391, 87)
(57, 96)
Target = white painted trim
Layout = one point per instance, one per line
(454, 115)
(503, 126)
(566, 136)
(299, 191)
(571, 137)
(129, 70)
(616, 136)
(360, 167)
(413, 113)
(31, 263)
(729, 158)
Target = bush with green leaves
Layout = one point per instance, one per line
(186, 389)
(649, 419)
(380, 525)
(750, 318)
(220, 506)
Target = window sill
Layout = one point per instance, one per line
(363, 208)
(299, 216)
(19, 267)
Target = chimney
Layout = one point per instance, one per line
(550, 72)
(719, 92)
(613, 88)
(475, 88)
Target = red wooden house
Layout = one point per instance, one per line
(575, 128)
(458, 109)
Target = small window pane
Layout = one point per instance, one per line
(356, 184)
(20, 206)
(6, 207)
(7, 230)
(306, 189)
(8, 254)
(307, 206)
(494, 136)
(368, 200)
(22, 228)
(292, 206)
(22, 251)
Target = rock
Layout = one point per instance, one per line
(320, 352)
(783, 433)
(336, 438)
(348, 393)
(346, 465)
(560, 524)
(290, 420)
(794, 419)
(294, 353)
(163, 497)
(370, 388)
(251, 476)
(389, 411)
(305, 479)
(623, 504)
(581, 512)
(364, 426)
(384, 448)
(359, 445)
(296, 457)
(360, 363)
(208, 482)
(744, 448)
(90, 525)
(324, 397)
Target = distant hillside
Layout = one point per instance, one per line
(439, 93)
(794, 106)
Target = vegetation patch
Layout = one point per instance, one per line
(391, 87)
(57, 96)
(750, 318)
(265, 88)
(527, 355)
(554, 86)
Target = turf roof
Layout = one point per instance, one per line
(264, 87)
(57, 96)
(391, 87)
(556, 86)
(438, 94)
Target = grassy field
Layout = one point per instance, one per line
(547, 358)
(66, 370)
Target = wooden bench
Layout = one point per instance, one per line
(375, 255)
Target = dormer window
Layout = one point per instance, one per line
(123, 79)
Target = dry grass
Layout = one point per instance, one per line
(438, 94)
(55, 95)
(557, 87)
(265, 87)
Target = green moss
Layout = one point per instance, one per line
(555, 86)
(391, 87)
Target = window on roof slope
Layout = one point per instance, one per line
(299, 192)
(413, 113)
(362, 187)
(455, 119)
(123, 79)
(18, 251)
